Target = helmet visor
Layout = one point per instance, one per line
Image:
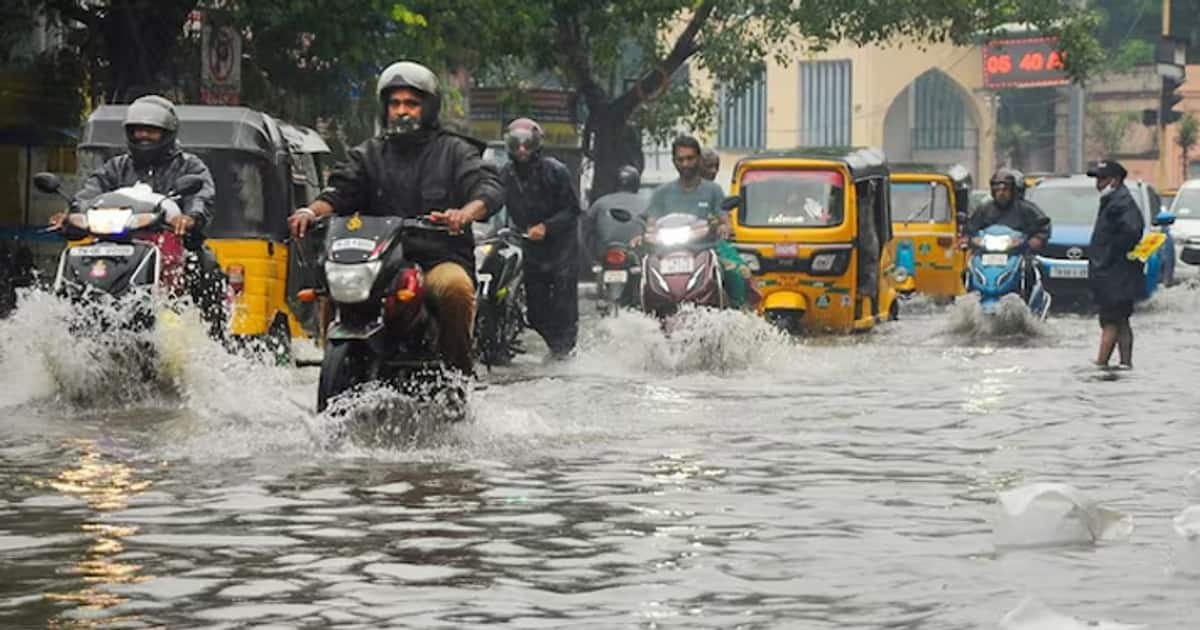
(521, 143)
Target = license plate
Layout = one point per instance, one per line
(618, 275)
(359, 244)
(995, 260)
(679, 264)
(1068, 272)
(103, 251)
(787, 250)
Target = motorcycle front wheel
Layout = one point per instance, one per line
(342, 368)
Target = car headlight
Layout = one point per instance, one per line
(997, 242)
(751, 261)
(350, 284)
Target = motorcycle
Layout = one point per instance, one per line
(682, 266)
(121, 248)
(499, 297)
(620, 273)
(382, 330)
(998, 268)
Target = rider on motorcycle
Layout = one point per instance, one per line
(154, 157)
(1009, 207)
(599, 226)
(416, 168)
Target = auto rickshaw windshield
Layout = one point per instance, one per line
(777, 198)
(925, 202)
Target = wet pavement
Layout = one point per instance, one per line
(726, 477)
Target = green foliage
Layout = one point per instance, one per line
(1107, 129)
(1133, 52)
(1187, 136)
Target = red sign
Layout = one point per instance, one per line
(1023, 63)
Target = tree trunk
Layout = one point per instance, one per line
(139, 39)
(615, 143)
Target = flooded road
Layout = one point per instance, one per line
(726, 478)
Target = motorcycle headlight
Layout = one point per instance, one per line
(141, 221)
(78, 220)
(352, 283)
(674, 236)
(108, 221)
(483, 251)
(751, 261)
(997, 243)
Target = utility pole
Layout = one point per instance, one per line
(1075, 121)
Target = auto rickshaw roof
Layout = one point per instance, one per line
(200, 127)
(958, 174)
(302, 139)
(862, 162)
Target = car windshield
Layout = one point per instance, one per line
(925, 202)
(792, 198)
(1074, 205)
(1186, 206)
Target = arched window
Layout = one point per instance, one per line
(941, 118)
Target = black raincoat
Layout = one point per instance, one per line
(1115, 279)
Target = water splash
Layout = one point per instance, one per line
(700, 340)
(1010, 319)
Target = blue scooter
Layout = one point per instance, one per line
(997, 268)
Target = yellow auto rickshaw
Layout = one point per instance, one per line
(929, 213)
(263, 169)
(814, 226)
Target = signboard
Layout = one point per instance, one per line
(1036, 62)
(220, 64)
(554, 110)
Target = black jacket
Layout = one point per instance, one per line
(1020, 215)
(1119, 226)
(441, 171)
(121, 171)
(544, 194)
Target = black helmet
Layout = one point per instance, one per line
(629, 179)
(151, 111)
(414, 76)
(523, 139)
(1013, 178)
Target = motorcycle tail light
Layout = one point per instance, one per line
(307, 295)
(614, 258)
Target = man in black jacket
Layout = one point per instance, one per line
(1009, 207)
(541, 201)
(154, 157)
(416, 168)
(1116, 281)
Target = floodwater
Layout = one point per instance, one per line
(725, 478)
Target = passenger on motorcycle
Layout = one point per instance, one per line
(710, 164)
(415, 168)
(154, 157)
(693, 194)
(1009, 207)
(542, 202)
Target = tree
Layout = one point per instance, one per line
(732, 40)
(129, 45)
(1187, 136)
(1108, 129)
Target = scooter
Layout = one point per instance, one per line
(120, 250)
(382, 330)
(499, 296)
(998, 267)
(619, 274)
(682, 266)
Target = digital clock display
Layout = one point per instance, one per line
(1023, 63)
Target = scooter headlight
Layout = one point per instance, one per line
(997, 242)
(108, 220)
(674, 236)
(351, 283)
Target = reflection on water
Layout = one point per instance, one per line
(721, 477)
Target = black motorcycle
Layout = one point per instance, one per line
(499, 297)
(382, 330)
(619, 274)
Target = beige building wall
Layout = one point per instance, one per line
(881, 112)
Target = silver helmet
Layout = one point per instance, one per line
(412, 75)
(151, 111)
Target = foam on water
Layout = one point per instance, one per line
(1011, 319)
(700, 340)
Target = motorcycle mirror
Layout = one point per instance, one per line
(188, 185)
(621, 214)
(47, 182)
(731, 203)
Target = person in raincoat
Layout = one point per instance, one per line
(1116, 281)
